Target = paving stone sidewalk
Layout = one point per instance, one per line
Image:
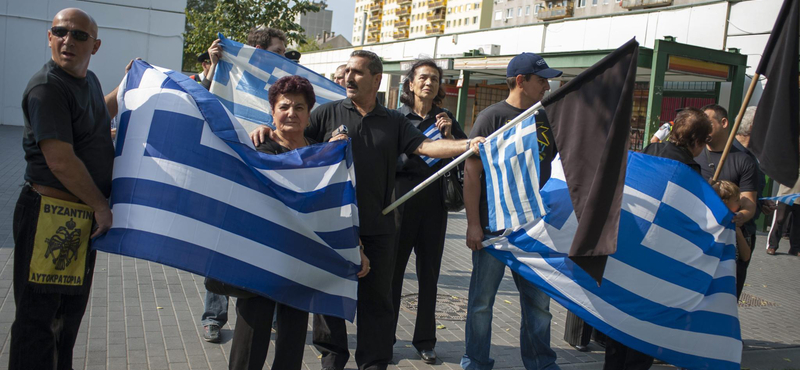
(145, 315)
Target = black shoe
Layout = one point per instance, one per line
(582, 348)
(428, 356)
(211, 333)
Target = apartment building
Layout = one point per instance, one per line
(317, 23)
(521, 12)
(468, 15)
(367, 22)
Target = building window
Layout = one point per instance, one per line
(594, 2)
(477, 6)
(469, 7)
(580, 3)
(459, 22)
(448, 23)
(536, 8)
(497, 16)
(510, 12)
(519, 11)
(475, 20)
(528, 10)
(605, 2)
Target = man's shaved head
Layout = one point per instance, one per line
(76, 14)
(70, 46)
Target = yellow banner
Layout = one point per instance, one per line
(61, 243)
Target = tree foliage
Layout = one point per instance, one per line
(235, 18)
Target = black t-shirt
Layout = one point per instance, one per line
(414, 166)
(497, 115)
(271, 147)
(738, 168)
(672, 151)
(761, 180)
(377, 140)
(58, 106)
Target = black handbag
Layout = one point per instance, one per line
(453, 189)
(218, 287)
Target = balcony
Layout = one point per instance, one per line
(434, 30)
(401, 24)
(403, 12)
(375, 18)
(399, 35)
(373, 29)
(556, 12)
(404, 2)
(438, 17)
(373, 39)
(435, 4)
(643, 4)
(375, 9)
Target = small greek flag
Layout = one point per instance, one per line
(669, 291)
(190, 191)
(244, 75)
(432, 133)
(787, 199)
(511, 167)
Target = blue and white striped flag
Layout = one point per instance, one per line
(190, 191)
(511, 167)
(787, 199)
(432, 133)
(244, 75)
(669, 291)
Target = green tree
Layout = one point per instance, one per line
(310, 44)
(235, 18)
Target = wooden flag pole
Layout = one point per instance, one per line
(735, 127)
(521, 117)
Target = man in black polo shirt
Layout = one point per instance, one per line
(69, 155)
(740, 169)
(379, 136)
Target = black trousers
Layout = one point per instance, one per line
(779, 222)
(576, 331)
(741, 267)
(620, 357)
(254, 329)
(45, 324)
(374, 316)
(422, 223)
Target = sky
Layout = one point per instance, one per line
(342, 17)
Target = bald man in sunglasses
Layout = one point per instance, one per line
(64, 202)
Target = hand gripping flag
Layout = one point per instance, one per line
(669, 290)
(244, 75)
(190, 191)
(511, 165)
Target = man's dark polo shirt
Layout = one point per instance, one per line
(377, 140)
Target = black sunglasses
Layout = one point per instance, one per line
(76, 34)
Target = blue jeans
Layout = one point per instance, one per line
(487, 273)
(215, 309)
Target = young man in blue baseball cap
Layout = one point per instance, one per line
(527, 78)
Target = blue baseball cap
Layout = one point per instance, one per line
(530, 63)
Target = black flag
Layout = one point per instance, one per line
(591, 119)
(776, 129)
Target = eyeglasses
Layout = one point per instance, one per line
(76, 34)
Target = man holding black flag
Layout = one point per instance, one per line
(527, 78)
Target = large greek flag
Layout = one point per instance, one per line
(244, 75)
(669, 290)
(511, 167)
(190, 191)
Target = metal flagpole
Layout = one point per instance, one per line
(735, 127)
(521, 117)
